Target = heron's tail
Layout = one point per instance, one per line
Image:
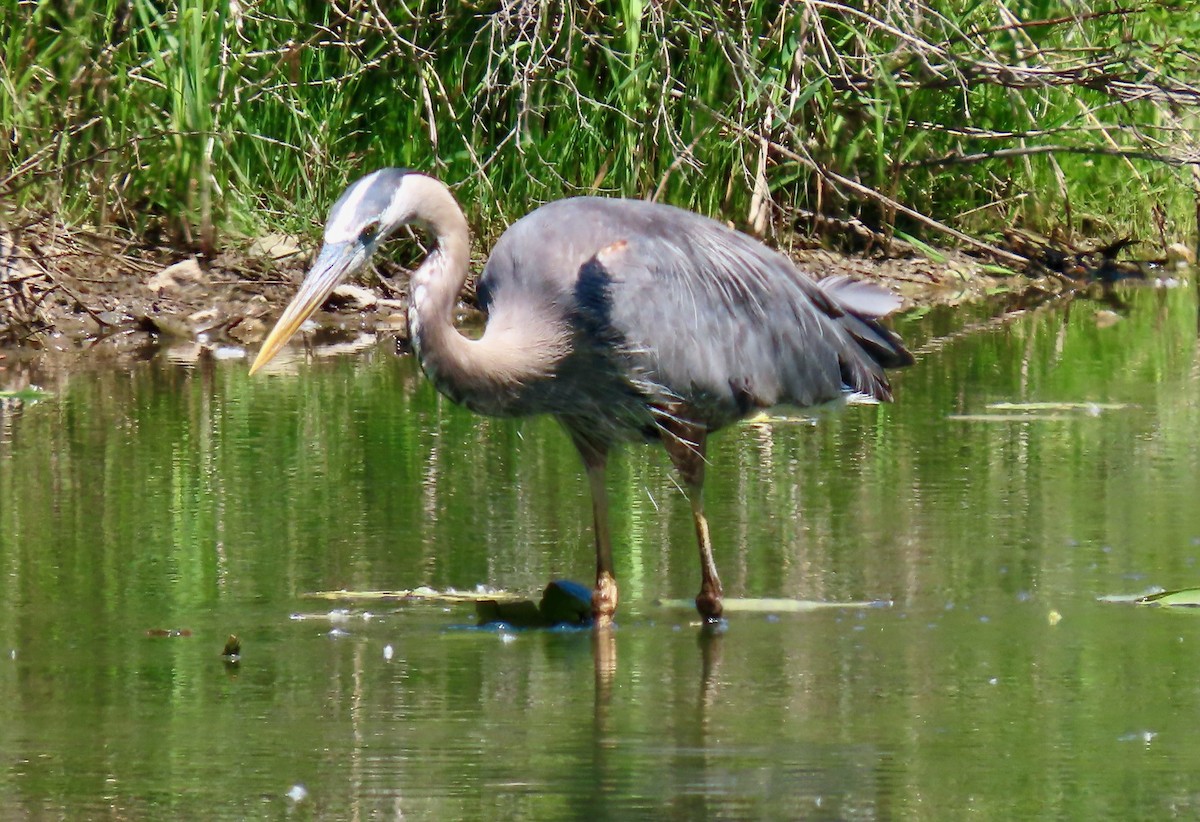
(861, 306)
(882, 345)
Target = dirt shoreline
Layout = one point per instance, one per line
(84, 295)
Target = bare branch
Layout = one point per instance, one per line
(1026, 151)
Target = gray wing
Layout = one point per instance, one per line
(702, 312)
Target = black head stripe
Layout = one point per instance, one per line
(368, 197)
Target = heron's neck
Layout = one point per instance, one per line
(433, 292)
(488, 374)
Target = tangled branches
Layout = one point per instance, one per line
(892, 116)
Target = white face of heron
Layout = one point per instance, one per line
(371, 208)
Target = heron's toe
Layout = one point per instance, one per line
(604, 601)
(708, 603)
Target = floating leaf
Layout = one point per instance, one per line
(1183, 598)
(422, 593)
(1039, 411)
(1010, 417)
(1129, 599)
(776, 606)
(1087, 407)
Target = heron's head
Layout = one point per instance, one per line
(363, 217)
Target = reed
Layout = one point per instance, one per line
(196, 122)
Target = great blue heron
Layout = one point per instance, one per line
(624, 319)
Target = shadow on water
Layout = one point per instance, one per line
(148, 511)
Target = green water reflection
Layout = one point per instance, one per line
(166, 497)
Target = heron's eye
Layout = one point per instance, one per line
(368, 233)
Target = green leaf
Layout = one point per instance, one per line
(926, 249)
(1128, 599)
(1183, 598)
(997, 270)
(1180, 598)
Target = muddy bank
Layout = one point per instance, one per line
(78, 293)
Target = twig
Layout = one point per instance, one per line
(868, 192)
(1052, 21)
(55, 282)
(1023, 151)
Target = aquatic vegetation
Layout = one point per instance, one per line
(188, 120)
(1157, 597)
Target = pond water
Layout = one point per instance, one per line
(156, 498)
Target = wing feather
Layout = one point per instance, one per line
(702, 312)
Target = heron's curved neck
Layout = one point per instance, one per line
(486, 374)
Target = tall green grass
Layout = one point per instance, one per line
(196, 121)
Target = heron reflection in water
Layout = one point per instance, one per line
(624, 319)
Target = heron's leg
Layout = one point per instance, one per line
(604, 597)
(685, 444)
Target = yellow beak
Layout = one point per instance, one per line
(333, 264)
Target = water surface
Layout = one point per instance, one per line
(163, 497)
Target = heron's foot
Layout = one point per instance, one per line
(708, 603)
(604, 600)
